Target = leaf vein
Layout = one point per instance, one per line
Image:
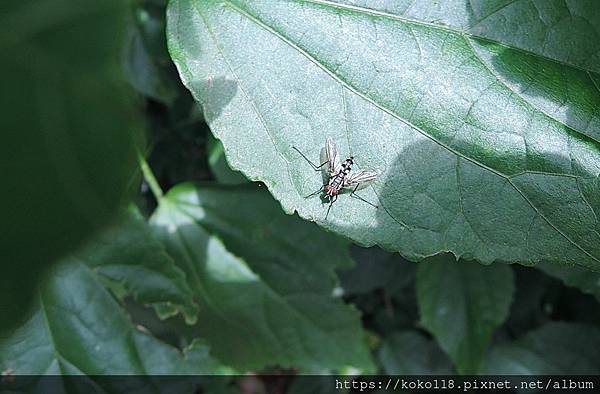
(383, 14)
(518, 94)
(337, 78)
(494, 12)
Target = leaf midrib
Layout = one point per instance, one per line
(343, 83)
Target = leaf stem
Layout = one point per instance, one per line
(149, 177)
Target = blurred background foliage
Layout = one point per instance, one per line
(206, 262)
(69, 135)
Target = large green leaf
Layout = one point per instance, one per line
(486, 148)
(67, 149)
(461, 304)
(80, 329)
(554, 349)
(264, 280)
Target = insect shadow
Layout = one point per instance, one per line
(338, 176)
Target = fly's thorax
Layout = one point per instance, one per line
(337, 181)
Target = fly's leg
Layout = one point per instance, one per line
(330, 204)
(353, 194)
(319, 190)
(313, 165)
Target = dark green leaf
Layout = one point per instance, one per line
(68, 135)
(554, 349)
(584, 280)
(486, 149)
(410, 353)
(376, 269)
(264, 280)
(461, 304)
(534, 300)
(146, 62)
(129, 254)
(80, 329)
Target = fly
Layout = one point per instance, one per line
(340, 175)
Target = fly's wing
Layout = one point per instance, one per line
(330, 155)
(360, 177)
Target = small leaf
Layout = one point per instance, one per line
(555, 349)
(461, 304)
(129, 254)
(487, 149)
(146, 62)
(80, 329)
(263, 280)
(410, 353)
